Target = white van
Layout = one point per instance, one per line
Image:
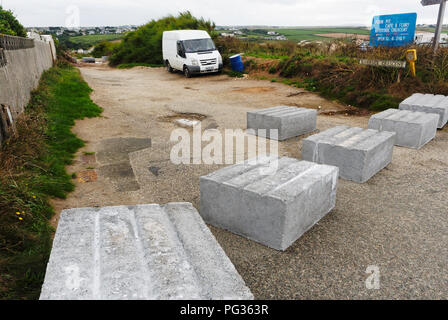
(190, 51)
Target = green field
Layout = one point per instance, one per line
(430, 30)
(299, 34)
(91, 40)
(312, 33)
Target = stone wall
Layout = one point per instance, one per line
(22, 62)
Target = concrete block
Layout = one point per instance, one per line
(272, 209)
(289, 121)
(413, 129)
(144, 252)
(359, 154)
(428, 103)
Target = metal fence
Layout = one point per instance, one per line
(15, 43)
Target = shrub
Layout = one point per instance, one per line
(272, 70)
(10, 25)
(334, 71)
(145, 44)
(104, 48)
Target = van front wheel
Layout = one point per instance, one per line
(168, 67)
(187, 72)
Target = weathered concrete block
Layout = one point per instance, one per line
(147, 252)
(272, 209)
(358, 153)
(428, 103)
(289, 121)
(414, 129)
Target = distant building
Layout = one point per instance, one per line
(277, 38)
(428, 38)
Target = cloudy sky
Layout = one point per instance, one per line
(227, 12)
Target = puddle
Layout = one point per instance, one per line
(187, 123)
(187, 120)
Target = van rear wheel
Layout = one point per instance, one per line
(168, 67)
(187, 72)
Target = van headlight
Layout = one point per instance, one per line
(194, 62)
(220, 59)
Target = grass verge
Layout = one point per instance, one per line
(32, 166)
(132, 65)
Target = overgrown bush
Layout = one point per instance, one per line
(333, 69)
(145, 44)
(10, 25)
(104, 48)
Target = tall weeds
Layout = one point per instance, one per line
(333, 69)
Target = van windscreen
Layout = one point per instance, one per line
(199, 45)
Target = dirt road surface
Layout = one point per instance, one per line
(397, 221)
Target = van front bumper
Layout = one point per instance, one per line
(208, 69)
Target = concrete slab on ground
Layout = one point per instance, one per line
(413, 129)
(288, 121)
(358, 153)
(429, 103)
(269, 200)
(144, 252)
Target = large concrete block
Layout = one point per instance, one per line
(428, 103)
(414, 129)
(272, 209)
(289, 121)
(358, 153)
(144, 252)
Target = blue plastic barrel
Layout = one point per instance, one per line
(237, 63)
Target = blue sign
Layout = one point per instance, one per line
(393, 30)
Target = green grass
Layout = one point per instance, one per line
(430, 29)
(312, 33)
(265, 55)
(138, 64)
(35, 161)
(235, 74)
(94, 39)
(299, 34)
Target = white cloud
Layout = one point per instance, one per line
(229, 12)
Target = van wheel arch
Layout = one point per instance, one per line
(187, 72)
